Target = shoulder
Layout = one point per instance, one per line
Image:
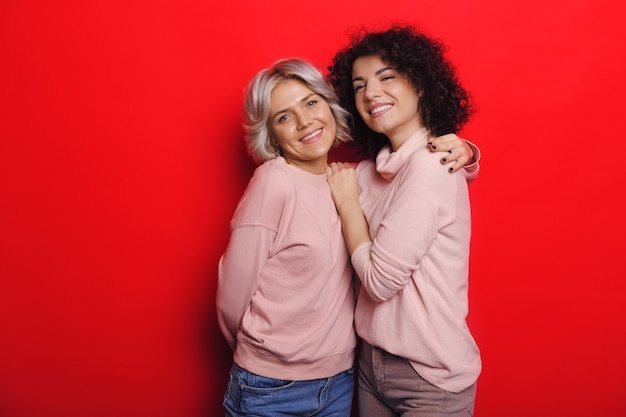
(424, 165)
(365, 167)
(265, 196)
(270, 177)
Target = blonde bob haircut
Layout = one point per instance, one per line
(256, 109)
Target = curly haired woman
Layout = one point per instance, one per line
(407, 225)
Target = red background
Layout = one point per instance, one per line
(122, 159)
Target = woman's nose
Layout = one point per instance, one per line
(304, 122)
(371, 91)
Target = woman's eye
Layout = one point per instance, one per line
(387, 77)
(282, 118)
(358, 88)
(311, 103)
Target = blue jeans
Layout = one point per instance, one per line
(250, 395)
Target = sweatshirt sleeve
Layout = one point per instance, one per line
(422, 204)
(473, 168)
(238, 276)
(253, 229)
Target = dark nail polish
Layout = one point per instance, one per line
(433, 147)
(429, 144)
(444, 160)
(450, 169)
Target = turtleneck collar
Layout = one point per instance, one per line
(388, 163)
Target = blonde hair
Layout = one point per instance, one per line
(256, 109)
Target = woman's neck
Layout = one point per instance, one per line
(401, 134)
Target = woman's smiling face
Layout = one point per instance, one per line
(386, 100)
(302, 124)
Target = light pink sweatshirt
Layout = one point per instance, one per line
(414, 296)
(285, 297)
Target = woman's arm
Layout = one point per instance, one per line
(345, 192)
(405, 231)
(253, 229)
(238, 276)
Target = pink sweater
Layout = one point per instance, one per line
(285, 298)
(414, 296)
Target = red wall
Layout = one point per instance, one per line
(121, 161)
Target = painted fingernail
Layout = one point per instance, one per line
(450, 169)
(433, 147)
(444, 160)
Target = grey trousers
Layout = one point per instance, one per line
(390, 387)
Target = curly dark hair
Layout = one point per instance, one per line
(445, 106)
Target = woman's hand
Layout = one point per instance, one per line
(460, 153)
(341, 177)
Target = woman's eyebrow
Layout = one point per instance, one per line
(380, 71)
(302, 100)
